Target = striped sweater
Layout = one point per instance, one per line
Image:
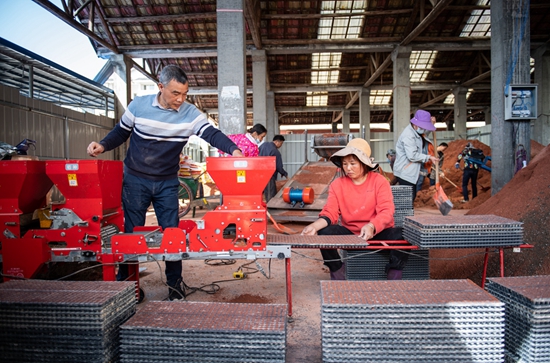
(158, 136)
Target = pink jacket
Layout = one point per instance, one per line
(243, 142)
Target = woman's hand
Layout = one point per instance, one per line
(309, 230)
(368, 231)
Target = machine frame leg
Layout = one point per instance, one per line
(288, 286)
(485, 263)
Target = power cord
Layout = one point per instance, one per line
(404, 251)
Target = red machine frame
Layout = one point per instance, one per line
(92, 191)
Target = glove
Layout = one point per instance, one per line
(457, 166)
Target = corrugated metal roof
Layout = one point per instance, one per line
(183, 32)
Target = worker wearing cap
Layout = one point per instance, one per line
(359, 203)
(158, 126)
(411, 151)
(390, 155)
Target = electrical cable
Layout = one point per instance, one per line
(404, 251)
(221, 262)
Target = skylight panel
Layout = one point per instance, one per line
(378, 97)
(450, 99)
(343, 26)
(325, 60)
(479, 23)
(421, 62)
(316, 99)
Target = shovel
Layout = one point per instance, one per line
(280, 227)
(440, 198)
(453, 184)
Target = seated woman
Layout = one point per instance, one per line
(249, 141)
(360, 202)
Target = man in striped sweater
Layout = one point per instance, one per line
(158, 127)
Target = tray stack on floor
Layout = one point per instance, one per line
(527, 302)
(410, 321)
(63, 321)
(466, 231)
(402, 199)
(205, 332)
(370, 265)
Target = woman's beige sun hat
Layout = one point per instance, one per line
(358, 147)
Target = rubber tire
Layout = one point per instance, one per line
(186, 202)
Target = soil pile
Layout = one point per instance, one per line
(526, 198)
(424, 198)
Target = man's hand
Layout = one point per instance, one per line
(237, 153)
(94, 149)
(457, 166)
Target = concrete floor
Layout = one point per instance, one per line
(303, 330)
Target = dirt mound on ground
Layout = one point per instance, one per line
(424, 198)
(526, 198)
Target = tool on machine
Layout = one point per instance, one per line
(440, 198)
(280, 227)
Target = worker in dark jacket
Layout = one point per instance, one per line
(471, 170)
(272, 149)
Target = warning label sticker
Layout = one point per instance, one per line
(72, 180)
(241, 176)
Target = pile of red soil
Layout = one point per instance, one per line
(525, 198)
(424, 198)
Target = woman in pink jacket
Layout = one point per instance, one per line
(249, 141)
(361, 203)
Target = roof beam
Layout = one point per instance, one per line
(336, 15)
(196, 50)
(304, 88)
(61, 15)
(465, 84)
(252, 15)
(164, 18)
(374, 108)
(409, 38)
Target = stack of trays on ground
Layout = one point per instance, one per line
(527, 301)
(63, 321)
(371, 264)
(189, 168)
(467, 231)
(205, 332)
(402, 198)
(410, 321)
